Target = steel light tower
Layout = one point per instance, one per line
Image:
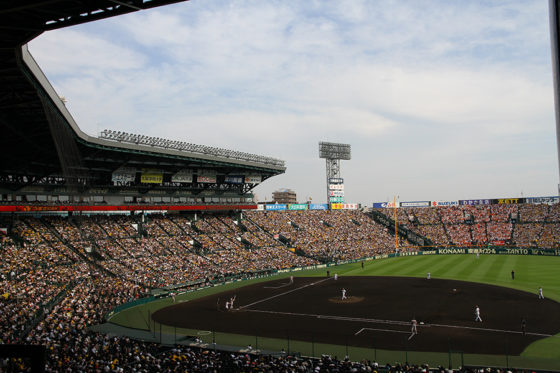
(333, 153)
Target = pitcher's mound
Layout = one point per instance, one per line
(350, 299)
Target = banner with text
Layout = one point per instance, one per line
(445, 203)
(276, 207)
(508, 201)
(182, 176)
(253, 179)
(298, 206)
(384, 205)
(234, 179)
(206, 176)
(124, 175)
(543, 200)
(416, 204)
(318, 206)
(151, 176)
(474, 202)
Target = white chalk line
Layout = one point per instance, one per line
(278, 287)
(381, 330)
(284, 293)
(396, 322)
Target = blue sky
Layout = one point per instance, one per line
(440, 100)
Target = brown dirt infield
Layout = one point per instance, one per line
(305, 311)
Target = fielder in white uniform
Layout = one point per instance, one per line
(413, 326)
(477, 314)
(541, 296)
(343, 293)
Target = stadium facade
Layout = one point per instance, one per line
(47, 158)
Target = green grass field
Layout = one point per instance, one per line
(530, 273)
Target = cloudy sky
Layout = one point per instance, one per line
(440, 100)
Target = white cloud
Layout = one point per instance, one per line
(452, 90)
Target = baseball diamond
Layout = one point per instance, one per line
(378, 312)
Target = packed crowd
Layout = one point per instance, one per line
(60, 275)
(336, 235)
(534, 225)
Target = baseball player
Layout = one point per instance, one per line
(413, 326)
(336, 276)
(291, 279)
(541, 296)
(429, 276)
(477, 314)
(343, 293)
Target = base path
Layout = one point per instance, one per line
(305, 310)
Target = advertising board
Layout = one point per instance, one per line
(416, 204)
(445, 203)
(297, 206)
(336, 193)
(206, 179)
(336, 180)
(234, 179)
(543, 200)
(124, 175)
(253, 179)
(474, 202)
(336, 186)
(276, 207)
(182, 176)
(384, 205)
(317, 206)
(151, 176)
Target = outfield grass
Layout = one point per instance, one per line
(530, 273)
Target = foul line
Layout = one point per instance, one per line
(278, 287)
(284, 293)
(391, 322)
(381, 330)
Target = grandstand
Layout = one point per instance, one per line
(62, 273)
(47, 158)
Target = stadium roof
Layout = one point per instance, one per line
(40, 137)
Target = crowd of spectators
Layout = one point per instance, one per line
(534, 225)
(336, 235)
(60, 275)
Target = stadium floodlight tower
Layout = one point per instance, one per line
(333, 153)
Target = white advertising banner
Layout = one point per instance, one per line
(445, 203)
(124, 175)
(183, 176)
(206, 176)
(253, 179)
(206, 179)
(336, 193)
(336, 186)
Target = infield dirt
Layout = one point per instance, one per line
(377, 313)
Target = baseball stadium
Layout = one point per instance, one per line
(131, 253)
